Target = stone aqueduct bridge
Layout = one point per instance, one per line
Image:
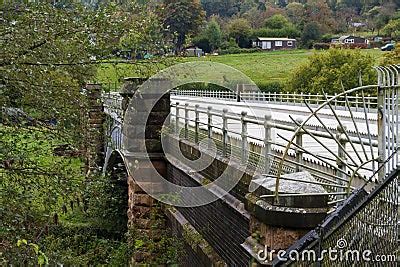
(232, 230)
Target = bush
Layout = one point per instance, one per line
(392, 57)
(321, 46)
(236, 50)
(327, 70)
(271, 87)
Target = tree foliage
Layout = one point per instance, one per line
(182, 17)
(310, 34)
(327, 71)
(214, 35)
(240, 30)
(277, 22)
(392, 29)
(48, 54)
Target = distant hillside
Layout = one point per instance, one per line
(228, 8)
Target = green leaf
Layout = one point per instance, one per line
(21, 241)
(35, 247)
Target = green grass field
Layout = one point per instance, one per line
(261, 67)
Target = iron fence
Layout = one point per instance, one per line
(364, 230)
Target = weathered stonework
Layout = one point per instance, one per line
(143, 145)
(95, 119)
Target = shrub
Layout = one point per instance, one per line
(392, 57)
(327, 70)
(321, 46)
(271, 87)
(236, 50)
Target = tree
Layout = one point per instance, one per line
(213, 34)
(311, 33)
(48, 55)
(223, 8)
(319, 12)
(240, 29)
(326, 71)
(277, 21)
(182, 17)
(295, 12)
(392, 29)
(150, 38)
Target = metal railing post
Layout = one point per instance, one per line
(267, 144)
(186, 120)
(299, 144)
(209, 126)
(245, 143)
(336, 101)
(301, 99)
(341, 137)
(224, 132)
(177, 119)
(381, 134)
(196, 123)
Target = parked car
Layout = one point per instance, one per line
(387, 47)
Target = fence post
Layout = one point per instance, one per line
(301, 99)
(196, 124)
(186, 120)
(177, 119)
(335, 100)
(224, 132)
(341, 137)
(245, 143)
(209, 125)
(238, 89)
(267, 144)
(381, 133)
(299, 143)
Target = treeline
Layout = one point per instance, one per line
(308, 20)
(217, 25)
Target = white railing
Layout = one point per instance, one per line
(235, 139)
(357, 101)
(112, 103)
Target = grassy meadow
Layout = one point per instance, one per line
(261, 67)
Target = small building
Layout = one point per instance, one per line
(272, 43)
(194, 52)
(350, 40)
(358, 24)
